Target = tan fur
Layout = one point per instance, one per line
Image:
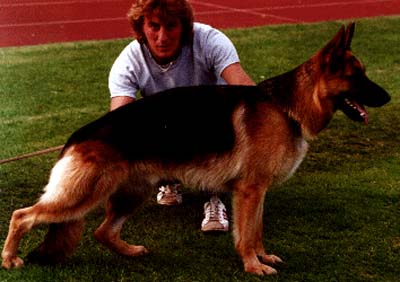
(270, 142)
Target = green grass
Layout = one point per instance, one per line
(336, 219)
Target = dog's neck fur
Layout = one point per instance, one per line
(296, 93)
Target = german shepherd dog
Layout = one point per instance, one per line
(240, 139)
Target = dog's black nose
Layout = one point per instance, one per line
(374, 96)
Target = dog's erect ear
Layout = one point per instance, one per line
(337, 42)
(333, 53)
(349, 35)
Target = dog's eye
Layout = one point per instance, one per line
(354, 73)
(354, 68)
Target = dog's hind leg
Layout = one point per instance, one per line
(20, 224)
(60, 240)
(247, 216)
(120, 206)
(74, 188)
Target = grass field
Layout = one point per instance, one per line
(337, 219)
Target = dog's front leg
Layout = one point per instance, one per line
(248, 203)
(260, 250)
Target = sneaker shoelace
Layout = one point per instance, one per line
(215, 211)
(168, 189)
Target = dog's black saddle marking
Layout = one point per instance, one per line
(175, 125)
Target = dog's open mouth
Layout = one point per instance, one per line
(354, 110)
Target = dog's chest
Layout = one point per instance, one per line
(290, 164)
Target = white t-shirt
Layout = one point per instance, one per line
(198, 64)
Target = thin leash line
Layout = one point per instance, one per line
(33, 154)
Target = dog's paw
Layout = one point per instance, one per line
(260, 269)
(135, 251)
(270, 259)
(12, 262)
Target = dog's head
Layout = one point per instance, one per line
(345, 80)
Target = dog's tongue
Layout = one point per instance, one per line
(355, 111)
(363, 112)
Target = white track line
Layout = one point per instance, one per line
(284, 7)
(63, 22)
(260, 11)
(331, 4)
(225, 9)
(48, 3)
(262, 15)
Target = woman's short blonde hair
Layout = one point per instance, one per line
(167, 10)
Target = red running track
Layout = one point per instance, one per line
(30, 22)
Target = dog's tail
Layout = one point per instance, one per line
(60, 241)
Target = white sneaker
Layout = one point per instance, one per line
(169, 195)
(215, 218)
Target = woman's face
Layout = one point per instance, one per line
(164, 39)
